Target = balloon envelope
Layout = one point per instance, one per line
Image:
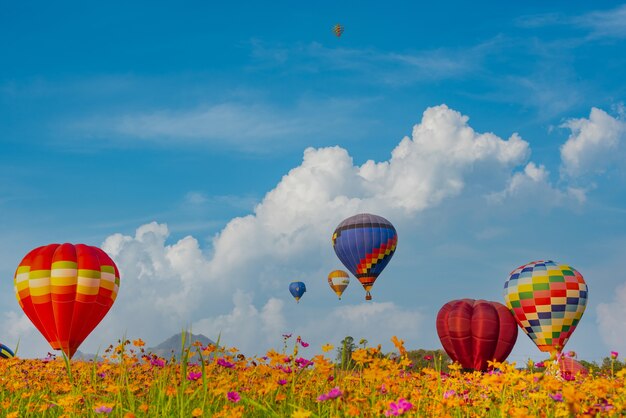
(297, 289)
(547, 299)
(474, 332)
(365, 243)
(338, 30)
(66, 290)
(6, 352)
(571, 368)
(338, 280)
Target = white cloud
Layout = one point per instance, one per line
(168, 286)
(610, 318)
(604, 23)
(252, 127)
(595, 144)
(376, 322)
(533, 187)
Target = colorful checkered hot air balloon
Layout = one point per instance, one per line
(338, 280)
(66, 290)
(365, 243)
(547, 299)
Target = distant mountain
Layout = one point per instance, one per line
(173, 344)
(166, 349)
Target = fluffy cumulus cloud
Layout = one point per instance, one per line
(167, 286)
(236, 288)
(533, 185)
(595, 145)
(610, 317)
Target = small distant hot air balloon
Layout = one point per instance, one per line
(571, 368)
(66, 290)
(5, 352)
(547, 299)
(338, 30)
(474, 332)
(297, 289)
(338, 281)
(365, 243)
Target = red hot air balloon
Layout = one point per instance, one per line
(570, 368)
(474, 332)
(66, 290)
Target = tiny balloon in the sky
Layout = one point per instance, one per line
(338, 30)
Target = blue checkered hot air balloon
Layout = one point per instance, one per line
(365, 243)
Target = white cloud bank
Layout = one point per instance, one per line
(595, 145)
(166, 287)
(610, 317)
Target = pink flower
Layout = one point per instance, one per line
(383, 389)
(225, 363)
(233, 397)
(333, 394)
(428, 358)
(558, 397)
(540, 364)
(449, 393)
(303, 363)
(614, 354)
(193, 376)
(158, 362)
(282, 382)
(286, 336)
(398, 408)
(570, 354)
(103, 409)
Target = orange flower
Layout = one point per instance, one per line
(138, 343)
(399, 344)
(197, 412)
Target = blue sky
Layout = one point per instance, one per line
(212, 149)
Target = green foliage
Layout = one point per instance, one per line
(435, 359)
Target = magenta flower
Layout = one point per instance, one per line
(225, 363)
(286, 336)
(383, 389)
(303, 363)
(193, 376)
(233, 397)
(614, 354)
(330, 378)
(558, 397)
(282, 382)
(398, 408)
(540, 364)
(570, 354)
(428, 358)
(103, 409)
(448, 393)
(333, 394)
(158, 362)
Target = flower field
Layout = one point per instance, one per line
(220, 382)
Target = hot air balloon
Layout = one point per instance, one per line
(571, 368)
(5, 352)
(338, 30)
(547, 299)
(365, 243)
(474, 332)
(66, 290)
(338, 281)
(297, 289)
